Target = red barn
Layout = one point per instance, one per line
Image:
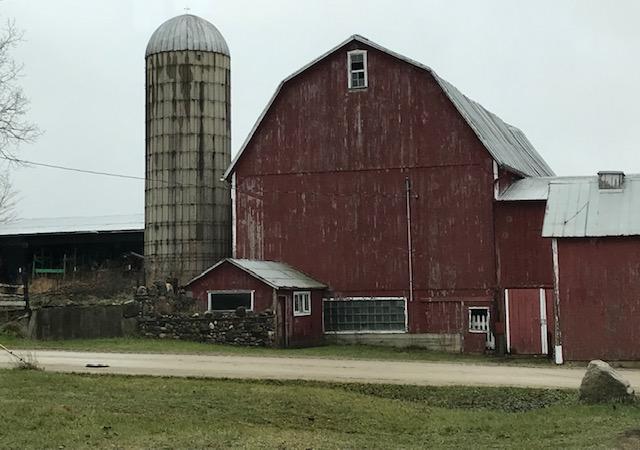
(595, 226)
(370, 173)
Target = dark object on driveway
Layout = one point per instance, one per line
(97, 365)
(602, 384)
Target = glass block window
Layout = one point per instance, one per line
(374, 314)
(357, 62)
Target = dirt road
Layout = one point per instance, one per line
(419, 373)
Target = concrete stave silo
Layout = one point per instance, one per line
(188, 148)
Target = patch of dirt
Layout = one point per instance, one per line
(630, 439)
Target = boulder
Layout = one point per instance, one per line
(602, 384)
(130, 309)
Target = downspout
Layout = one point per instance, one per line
(556, 304)
(409, 242)
(234, 232)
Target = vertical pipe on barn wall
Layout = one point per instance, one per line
(556, 304)
(234, 201)
(409, 242)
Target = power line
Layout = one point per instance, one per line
(259, 195)
(71, 169)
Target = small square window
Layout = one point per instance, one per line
(479, 320)
(357, 67)
(302, 303)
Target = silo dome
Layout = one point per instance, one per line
(187, 32)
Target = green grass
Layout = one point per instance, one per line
(47, 410)
(142, 345)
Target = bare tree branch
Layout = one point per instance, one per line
(15, 129)
(7, 199)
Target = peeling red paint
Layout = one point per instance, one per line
(600, 298)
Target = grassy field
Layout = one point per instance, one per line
(47, 410)
(141, 345)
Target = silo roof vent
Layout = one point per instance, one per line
(611, 180)
(187, 32)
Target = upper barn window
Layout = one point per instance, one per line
(357, 62)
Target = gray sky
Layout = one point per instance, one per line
(565, 72)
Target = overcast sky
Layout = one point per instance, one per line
(565, 72)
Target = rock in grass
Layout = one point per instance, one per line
(602, 384)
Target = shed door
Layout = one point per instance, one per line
(528, 325)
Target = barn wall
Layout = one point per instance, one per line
(523, 256)
(229, 277)
(599, 298)
(326, 171)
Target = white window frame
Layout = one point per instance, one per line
(365, 70)
(304, 311)
(485, 308)
(211, 293)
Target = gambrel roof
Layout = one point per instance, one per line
(508, 145)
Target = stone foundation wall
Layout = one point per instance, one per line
(248, 329)
(83, 322)
(451, 343)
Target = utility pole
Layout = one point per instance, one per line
(25, 289)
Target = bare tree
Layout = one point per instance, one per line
(15, 129)
(7, 198)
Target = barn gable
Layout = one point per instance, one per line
(507, 145)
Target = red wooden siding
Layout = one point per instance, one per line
(600, 298)
(229, 277)
(321, 186)
(304, 330)
(524, 256)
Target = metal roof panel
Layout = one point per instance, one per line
(278, 275)
(533, 188)
(582, 209)
(61, 225)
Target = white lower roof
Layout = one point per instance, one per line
(534, 188)
(65, 225)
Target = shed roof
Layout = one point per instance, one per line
(77, 225)
(278, 275)
(508, 145)
(580, 209)
(187, 32)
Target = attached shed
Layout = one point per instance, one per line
(595, 227)
(265, 285)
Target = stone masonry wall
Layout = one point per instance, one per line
(243, 328)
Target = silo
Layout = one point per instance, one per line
(188, 148)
